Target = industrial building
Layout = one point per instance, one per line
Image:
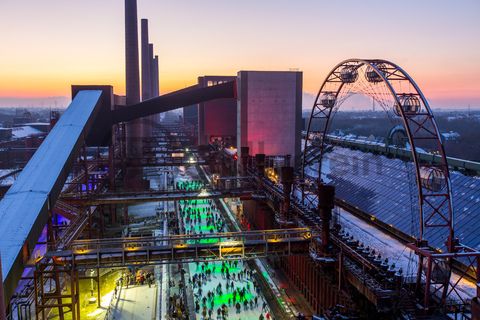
(217, 119)
(269, 112)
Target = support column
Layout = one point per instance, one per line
(58, 292)
(90, 222)
(111, 167)
(85, 168)
(326, 198)
(102, 220)
(287, 182)
(260, 163)
(476, 308)
(244, 160)
(98, 289)
(125, 214)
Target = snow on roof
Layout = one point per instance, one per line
(4, 172)
(23, 208)
(25, 131)
(37, 124)
(6, 180)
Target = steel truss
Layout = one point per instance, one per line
(122, 252)
(401, 98)
(131, 197)
(49, 281)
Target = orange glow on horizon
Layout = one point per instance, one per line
(59, 86)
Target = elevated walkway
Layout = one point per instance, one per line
(123, 252)
(130, 198)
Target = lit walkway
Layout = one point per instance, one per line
(136, 302)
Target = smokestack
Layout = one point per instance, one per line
(156, 85)
(150, 69)
(131, 52)
(150, 59)
(151, 119)
(146, 74)
(134, 129)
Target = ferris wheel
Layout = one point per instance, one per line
(399, 96)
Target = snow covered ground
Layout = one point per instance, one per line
(135, 303)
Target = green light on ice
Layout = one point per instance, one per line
(223, 299)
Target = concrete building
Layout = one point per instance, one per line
(217, 118)
(269, 113)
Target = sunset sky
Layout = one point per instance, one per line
(45, 46)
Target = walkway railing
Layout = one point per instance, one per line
(122, 252)
(112, 305)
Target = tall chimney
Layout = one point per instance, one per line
(134, 129)
(131, 52)
(146, 76)
(156, 85)
(150, 70)
(151, 119)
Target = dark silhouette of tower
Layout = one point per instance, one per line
(146, 74)
(156, 84)
(134, 128)
(131, 52)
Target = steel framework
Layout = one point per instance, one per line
(399, 95)
(121, 252)
(365, 76)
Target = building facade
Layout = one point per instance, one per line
(269, 112)
(217, 119)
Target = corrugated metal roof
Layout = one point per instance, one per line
(386, 188)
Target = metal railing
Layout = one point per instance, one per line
(121, 252)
